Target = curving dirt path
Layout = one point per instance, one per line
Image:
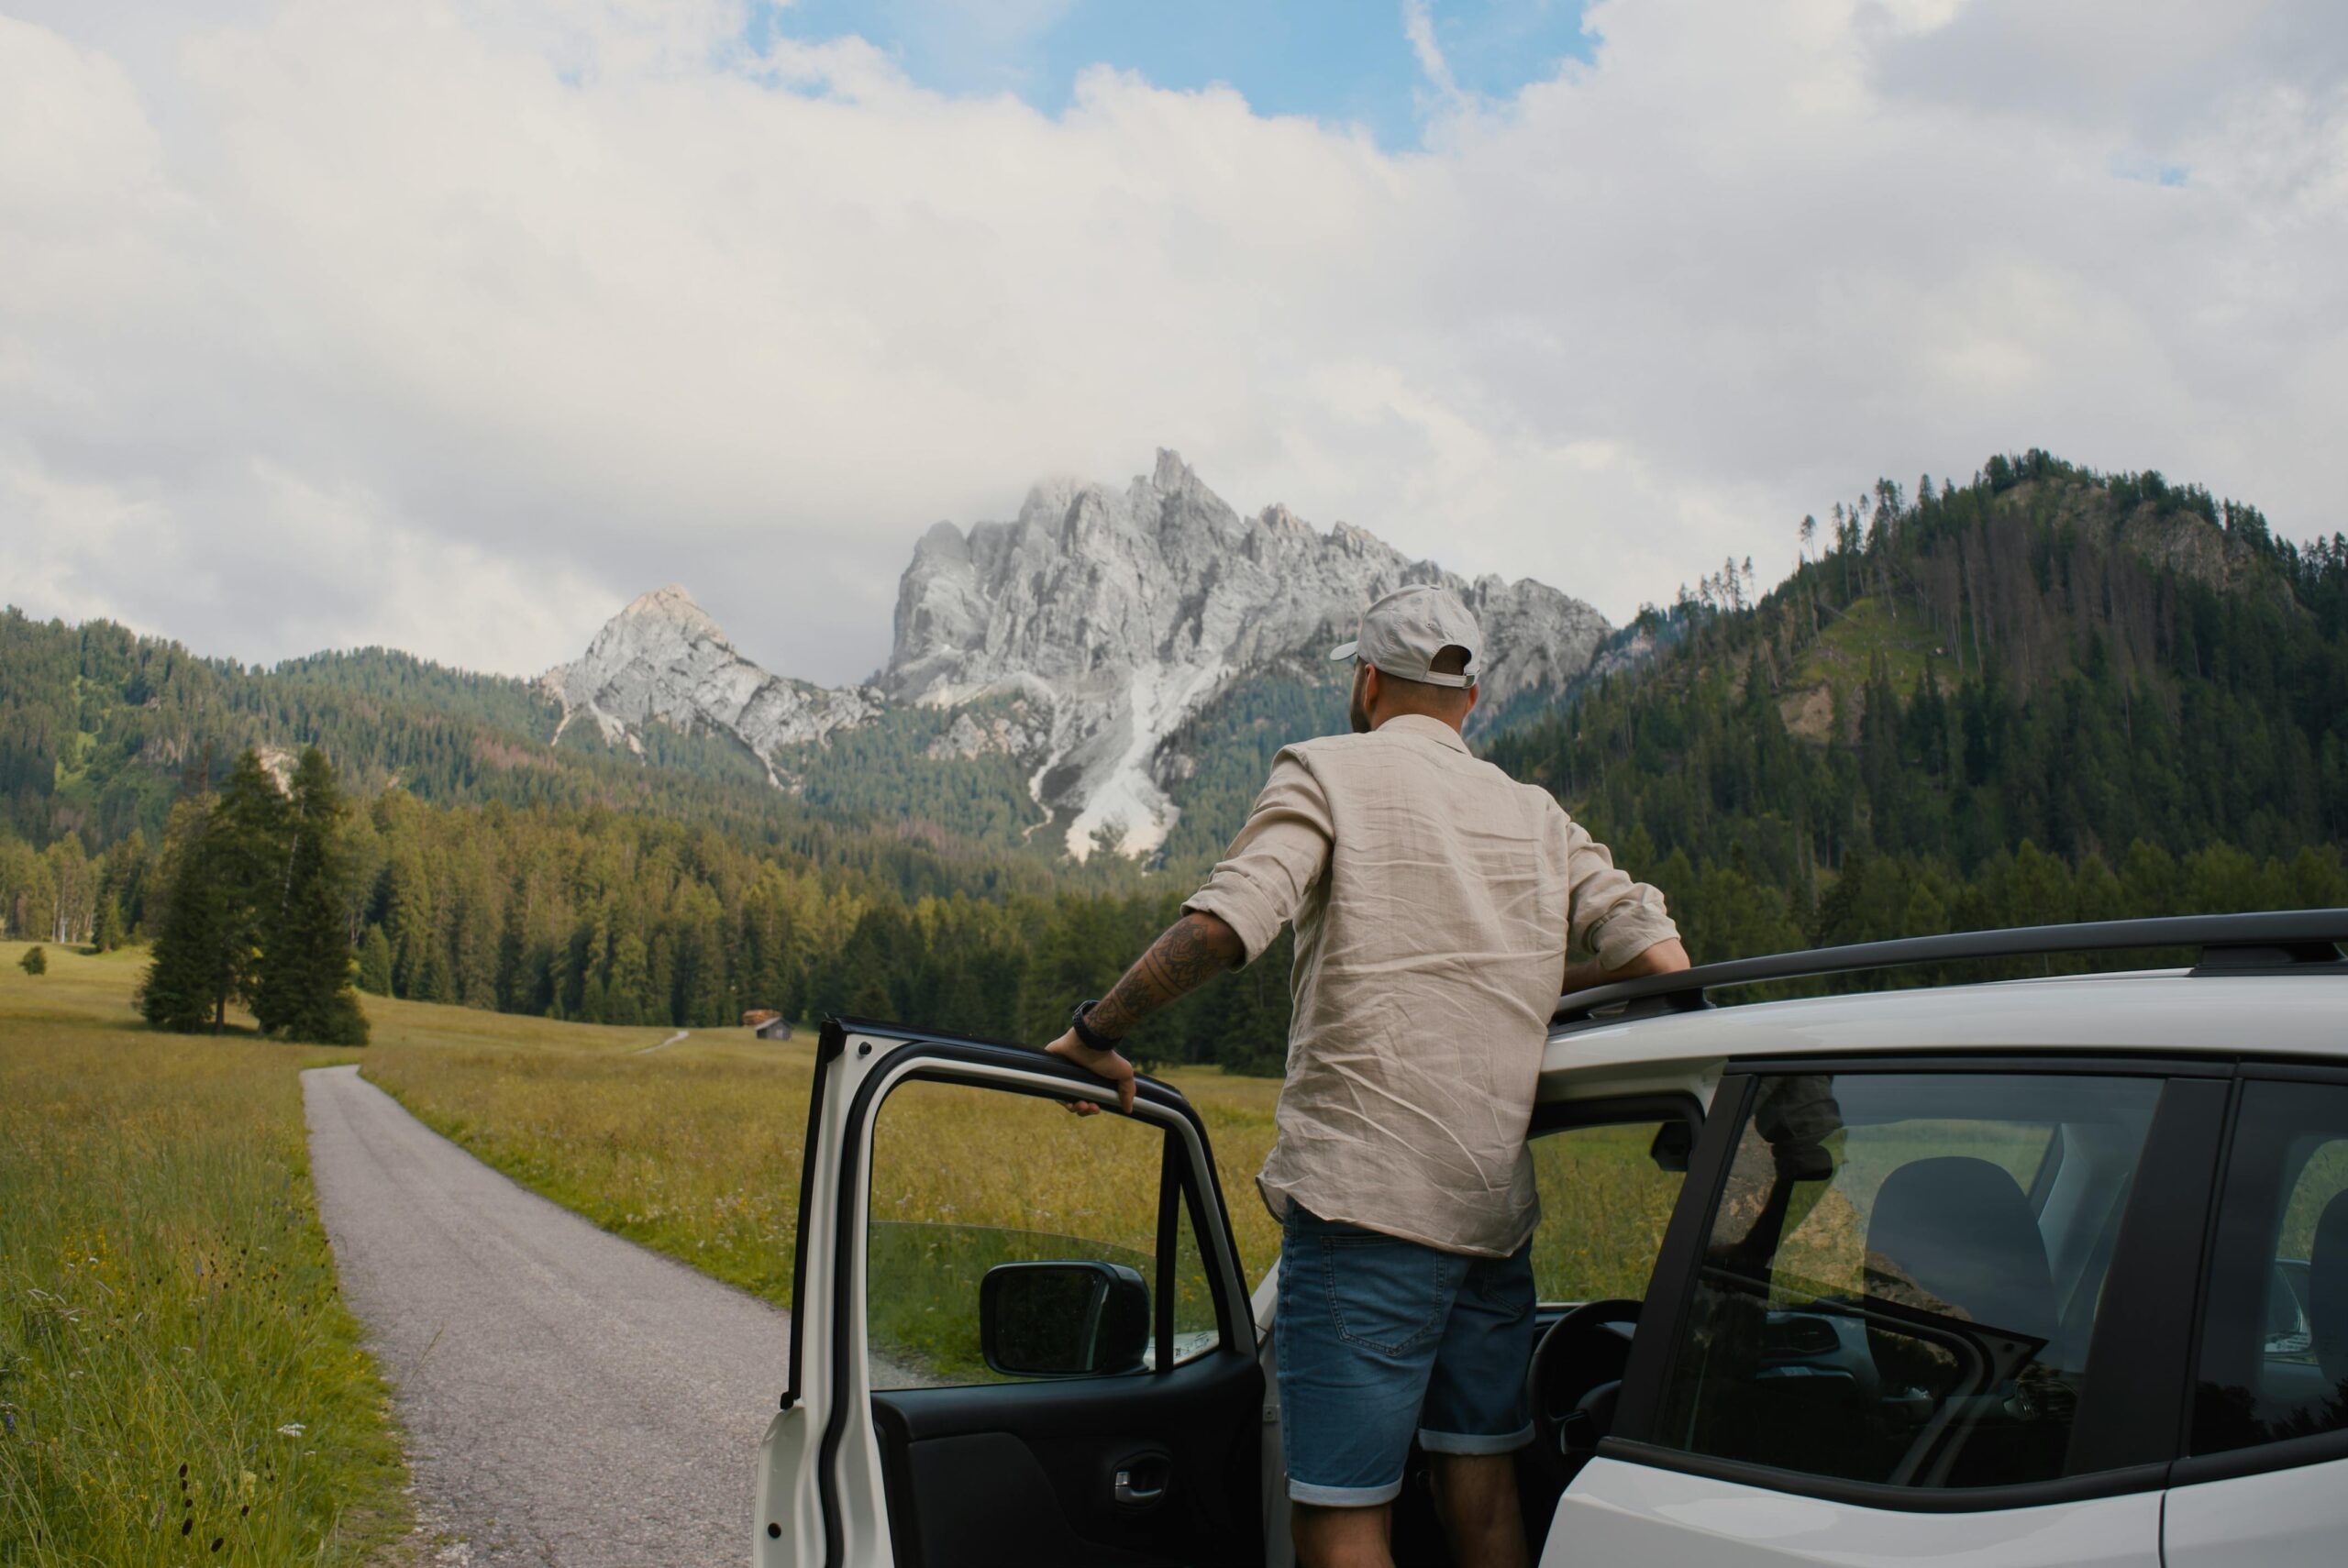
(571, 1398)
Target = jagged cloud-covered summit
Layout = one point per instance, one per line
(1077, 638)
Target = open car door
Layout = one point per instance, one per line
(1017, 1335)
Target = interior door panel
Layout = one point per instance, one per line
(971, 1470)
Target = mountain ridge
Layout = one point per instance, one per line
(1078, 638)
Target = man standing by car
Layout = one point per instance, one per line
(1435, 901)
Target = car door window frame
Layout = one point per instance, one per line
(2257, 1458)
(1015, 1069)
(2176, 1180)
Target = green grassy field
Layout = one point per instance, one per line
(178, 1379)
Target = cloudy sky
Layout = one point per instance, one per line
(454, 324)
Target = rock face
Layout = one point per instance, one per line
(1085, 631)
(662, 657)
(1119, 614)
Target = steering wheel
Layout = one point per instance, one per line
(1577, 1376)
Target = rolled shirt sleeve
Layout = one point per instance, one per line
(1280, 852)
(1608, 914)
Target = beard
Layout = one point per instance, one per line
(1358, 706)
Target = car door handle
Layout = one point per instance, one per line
(1141, 1480)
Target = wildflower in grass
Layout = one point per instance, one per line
(291, 1428)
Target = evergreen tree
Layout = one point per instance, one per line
(107, 935)
(180, 983)
(33, 962)
(375, 961)
(246, 855)
(303, 987)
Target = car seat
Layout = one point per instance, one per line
(1953, 1244)
(2328, 1291)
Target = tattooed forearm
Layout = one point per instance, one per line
(1186, 954)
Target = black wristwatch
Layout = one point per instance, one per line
(1084, 1033)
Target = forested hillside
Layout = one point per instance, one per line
(2022, 700)
(100, 727)
(2043, 696)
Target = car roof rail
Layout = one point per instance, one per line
(2277, 941)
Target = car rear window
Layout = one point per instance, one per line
(2273, 1359)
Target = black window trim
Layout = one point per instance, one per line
(1669, 1288)
(827, 1045)
(2289, 1070)
(2259, 1459)
(2004, 1060)
(1170, 1199)
(2175, 1123)
(1888, 1499)
(2255, 1459)
(1552, 1116)
(2136, 1413)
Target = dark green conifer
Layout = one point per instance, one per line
(177, 992)
(303, 987)
(375, 962)
(106, 934)
(33, 962)
(247, 851)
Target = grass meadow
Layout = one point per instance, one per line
(179, 1380)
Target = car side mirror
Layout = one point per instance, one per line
(1673, 1142)
(1063, 1319)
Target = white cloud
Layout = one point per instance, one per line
(1418, 26)
(456, 323)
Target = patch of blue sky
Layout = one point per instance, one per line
(1342, 62)
(2150, 171)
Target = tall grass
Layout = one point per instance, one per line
(179, 1380)
(691, 1149)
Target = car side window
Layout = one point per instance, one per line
(1904, 1272)
(951, 1218)
(2274, 1328)
(1607, 1193)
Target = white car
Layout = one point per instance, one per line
(2030, 1272)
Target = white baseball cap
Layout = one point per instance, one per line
(1402, 633)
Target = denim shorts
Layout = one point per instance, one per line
(1381, 1338)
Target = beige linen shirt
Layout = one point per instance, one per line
(1433, 898)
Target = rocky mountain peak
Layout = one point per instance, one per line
(1128, 611)
(1106, 618)
(664, 657)
(671, 606)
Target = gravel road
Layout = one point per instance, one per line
(570, 1399)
